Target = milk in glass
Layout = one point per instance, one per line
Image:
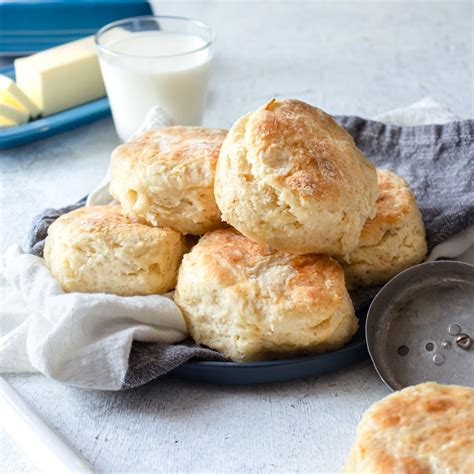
(156, 67)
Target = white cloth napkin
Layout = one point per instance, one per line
(81, 338)
(85, 339)
(423, 112)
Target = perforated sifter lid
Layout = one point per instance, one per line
(420, 326)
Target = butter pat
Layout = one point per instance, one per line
(62, 77)
(12, 95)
(10, 116)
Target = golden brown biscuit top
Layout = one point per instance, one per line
(176, 146)
(394, 203)
(107, 220)
(234, 259)
(302, 146)
(424, 428)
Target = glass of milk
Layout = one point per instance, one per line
(155, 60)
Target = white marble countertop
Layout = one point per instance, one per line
(346, 57)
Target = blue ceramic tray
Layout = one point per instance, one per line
(28, 26)
(284, 370)
(53, 124)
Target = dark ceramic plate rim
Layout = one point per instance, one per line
(349, 347)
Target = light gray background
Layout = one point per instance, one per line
(347, 57)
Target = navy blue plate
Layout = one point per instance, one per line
(237, 373)
(53, 124)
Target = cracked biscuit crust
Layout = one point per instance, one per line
(98, 249)
(289, 176)
(390, 242)
(252, 302)
(166, 177)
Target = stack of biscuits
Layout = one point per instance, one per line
(261, 230)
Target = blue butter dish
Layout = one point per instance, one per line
(53, 124)
(29, 26)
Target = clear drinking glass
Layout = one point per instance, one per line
(155, 60)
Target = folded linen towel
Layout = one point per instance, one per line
(435, 159)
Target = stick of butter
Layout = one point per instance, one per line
(11, 116)
(62, 77)
(12, 95)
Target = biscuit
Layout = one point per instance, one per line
(427, 428)
(251, 302)
(99, 250)
(390, 242)
(166, 177)
(289, 176)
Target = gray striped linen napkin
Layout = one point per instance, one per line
(436, 160)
